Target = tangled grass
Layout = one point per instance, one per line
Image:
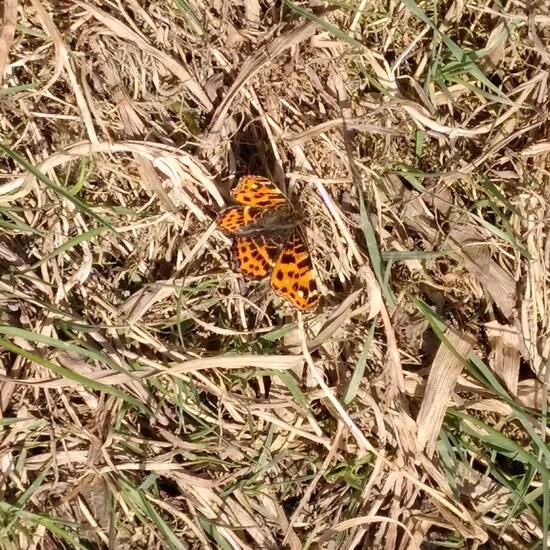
(151, 399)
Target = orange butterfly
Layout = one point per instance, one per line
(268, 240)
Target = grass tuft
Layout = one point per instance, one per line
(151, 398)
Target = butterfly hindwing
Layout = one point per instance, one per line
(293, 277)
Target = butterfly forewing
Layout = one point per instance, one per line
(258, 191)
(262, 207)
(236, 218)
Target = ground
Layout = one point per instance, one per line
(152, 397)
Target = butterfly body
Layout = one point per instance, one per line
(268, 241)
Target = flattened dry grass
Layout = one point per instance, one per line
(151, 399)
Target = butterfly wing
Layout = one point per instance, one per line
(235, 219)
(258, 191)
(262, 204)
(255, 255)
(260, 223)
(293, 277)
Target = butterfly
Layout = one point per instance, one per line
(268, 241)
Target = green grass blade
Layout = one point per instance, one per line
(53, 186)
(359, 370)
(70, 375)
(459, 54)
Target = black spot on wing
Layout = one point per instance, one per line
(287, 258)
(272, 251)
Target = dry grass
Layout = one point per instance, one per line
(150, 399)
